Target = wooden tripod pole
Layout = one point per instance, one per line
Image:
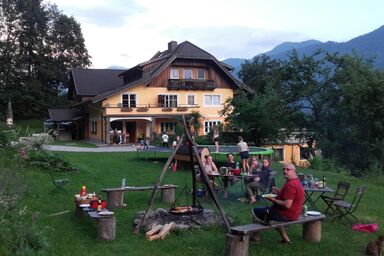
(156, 187)
(205, 179)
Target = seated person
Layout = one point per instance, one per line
(232, 165)
(211, 169)
(287, 206)
(261, 182)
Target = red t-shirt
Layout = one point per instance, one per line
(291, 190)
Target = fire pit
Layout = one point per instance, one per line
(204, 218)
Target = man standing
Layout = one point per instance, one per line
(287, 205)
(165, 138)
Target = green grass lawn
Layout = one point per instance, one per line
(69, 235)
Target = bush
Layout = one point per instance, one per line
(49, 161)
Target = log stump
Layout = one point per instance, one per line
(106, 228)
(168, 195)
(312, 231)
(115, 199)
(237, 245)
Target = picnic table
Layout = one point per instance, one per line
(313, 194)
(241, 177)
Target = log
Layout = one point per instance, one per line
(312, 231)
(168, 195)
(237, 245)
(106, 228)
(154, 230)
(150, 238)
(115, 199)
(165, 230)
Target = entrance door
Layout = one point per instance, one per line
(130, 132)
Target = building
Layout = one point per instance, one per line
(144, 100)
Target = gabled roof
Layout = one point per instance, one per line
(63, 115)
(161, 60)
(92, 82)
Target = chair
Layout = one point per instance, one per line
(59, 183)
(346, 209)
(339, 195)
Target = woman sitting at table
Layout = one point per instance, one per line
(231, 165)
(252, 184)
(262, 181)
(211, 169)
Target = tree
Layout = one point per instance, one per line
(37, 48)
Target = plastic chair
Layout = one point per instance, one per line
(345, 209)
(59, 183)
(339, 195)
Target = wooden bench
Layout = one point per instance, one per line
(238, 239)
(106, 225)
(115, 196)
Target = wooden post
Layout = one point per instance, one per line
(168, 195)
(106, 228)
(312, 231)
(237, 245)
(115, 199)
(78, 211)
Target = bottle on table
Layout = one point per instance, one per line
(324, 181)
(237, 165)
(305, 210)
(123, 183)
(83, 191)
(99, 204)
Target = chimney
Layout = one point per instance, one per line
(172, 46)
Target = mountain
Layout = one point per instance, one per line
(368, 45)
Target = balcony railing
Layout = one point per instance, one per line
(141, 106)
(190, 84)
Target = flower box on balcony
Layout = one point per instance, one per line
(126, 109)
(166, 109)
(182, 109)
(142, 109)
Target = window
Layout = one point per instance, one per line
(94, 127)
(191, 100)
(167, 127)
(212, 100)
(187, 73)
(209, 126)
(174, 73)
(278, 154)
(168, 101)
(128, 100)
(201, 74)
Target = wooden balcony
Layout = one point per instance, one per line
(190, 84)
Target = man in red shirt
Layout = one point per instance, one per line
(288, 204)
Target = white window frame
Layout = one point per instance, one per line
(211, 103)
(167, 102)
(174, 73)
(93, 126)
(168, 127)
(198, 77)
(184, 73)
(208, 125)
(129, 100)
(194, 99)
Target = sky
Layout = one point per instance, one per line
(125, 33)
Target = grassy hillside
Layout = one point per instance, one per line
(68, 235)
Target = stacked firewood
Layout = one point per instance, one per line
(159, 231)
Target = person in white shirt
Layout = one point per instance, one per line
(165, 138)
(244, 153)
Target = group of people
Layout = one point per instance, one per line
(259, 178)
(286, 206)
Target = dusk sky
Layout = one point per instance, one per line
(127, 32)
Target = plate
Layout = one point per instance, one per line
(314, 213)
(84, 205)
(105, 213)
(269, 195)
